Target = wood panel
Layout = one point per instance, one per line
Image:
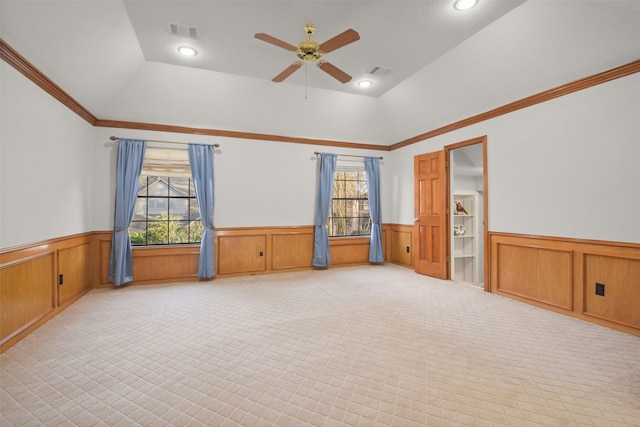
(543, 275)
(549, 272)
(155, 268)
(29, 287)
(26, 293)
(291, 250)
(621, 279)
(401, 242)
(74, 264)
(237, 252)
(242, 254)
(430, 229)
(104, 248)
(349, 250)
(152, 264)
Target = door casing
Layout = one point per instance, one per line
(447, 202)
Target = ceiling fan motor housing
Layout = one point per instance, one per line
(308, 51)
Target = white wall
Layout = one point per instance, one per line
(170, 94)
(567, 167)
(539, 45)
(45, 164)
(257, 183)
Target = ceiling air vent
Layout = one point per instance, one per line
(380, 71)
(184, 31)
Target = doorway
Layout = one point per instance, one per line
(450, 213)
(467, 201)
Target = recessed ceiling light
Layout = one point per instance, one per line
(365, 83)
(464, 4)
(187, 51)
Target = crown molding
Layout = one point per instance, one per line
(235, 134)
(13, 58)
(20, 63)
(565, 89)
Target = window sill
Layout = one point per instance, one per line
(349, 240)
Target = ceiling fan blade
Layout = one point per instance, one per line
(342, 39)
(334, 72)
(287, 72)
(270, 39)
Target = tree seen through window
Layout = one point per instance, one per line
(166, 212)
(349, 214)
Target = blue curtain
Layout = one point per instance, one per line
(325, 194)
(130, 157)
(201, 161)
(372, 169)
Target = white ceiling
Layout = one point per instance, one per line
(118, 59)
(81, 43)
(404, 36)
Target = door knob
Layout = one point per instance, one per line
(416, 219)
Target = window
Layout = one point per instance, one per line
(166, 212)
(349, 214)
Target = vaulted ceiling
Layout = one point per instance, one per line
(119, 58)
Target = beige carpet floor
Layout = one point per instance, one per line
(359, 346)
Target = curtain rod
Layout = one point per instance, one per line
(317, 153)
(115, 139)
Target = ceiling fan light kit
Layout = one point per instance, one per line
(310, 51)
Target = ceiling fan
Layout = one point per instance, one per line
(311, 51)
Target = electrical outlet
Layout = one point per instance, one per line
(60, 279)
(600, 289)
(408, 249)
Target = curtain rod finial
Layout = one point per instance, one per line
(113, 138)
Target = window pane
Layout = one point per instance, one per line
(195, 231)
(192, 190)
(338, 207)
(138, 233)
(142, 186)
(179, 208)
(179, 187)
(140, 210)
(157, 233)
(158, 186)
(194, 210)
(338, 188)
(178, 231)
(158, 208)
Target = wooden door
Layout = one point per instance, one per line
(430, 217)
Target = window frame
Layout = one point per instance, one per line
(167, 201)
(362, 200)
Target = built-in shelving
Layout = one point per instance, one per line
(464, 244)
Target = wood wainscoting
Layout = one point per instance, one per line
(259, 250)
(238, 251)
(400, 245)
(38, 281)
(594, 281)
(151, 264)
